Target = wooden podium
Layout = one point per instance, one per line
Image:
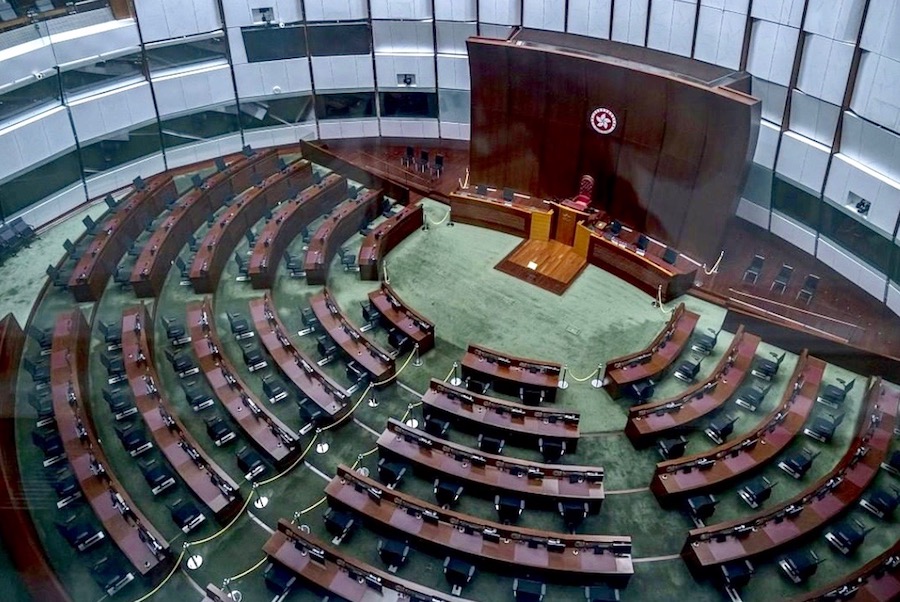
(567, 219)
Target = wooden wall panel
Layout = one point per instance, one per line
(674, 166)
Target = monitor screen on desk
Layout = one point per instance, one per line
(481, 190)
(508, 195)
(670, 255)
(643, 242)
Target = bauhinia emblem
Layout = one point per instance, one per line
(603, 121)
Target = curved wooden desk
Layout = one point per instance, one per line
(273, 438)
(508, 374)
(141, 543)
(115, 234)
(304, 372)
(153, 264)
(337, 228)
(720, 466)
(201, 474)
(648, 421)
(333, 571)
(554, 555)
(356, 346)
(804, 514)
(524, 216)
(384, 237)
(516, 423)
(540, 485)
(287, 222)
(395, 313)
(654, 358)
(877, 581)
(220, 241)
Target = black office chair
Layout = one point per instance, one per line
(600, 593)
(47, 439)
(243, 267)
(176, 332)
(110, 575)
(79, 530)
(447, 492)
(458, 573)
(800, 565)
(115, 368)
(834, 395)
(573, 513)
(253, 357)
(240, 327)
(551, 449)
(847, 535)
(701, 507)
(273, 388)
(750, 397)
(781, 280)
(438, 167)
(892, 465)
(751, 274)
(720, 428)
(757, 491)
(477, 386)
(407, 159)
(219, 430)
(798, 463)
(688, 370)
(58, 278)
(881, 502)
(823, 426)
(311, 415)
(393, 553)
(250, 463)
(182, 364)
(72, 250)
(705, 342)
(525, 590)
(391, 473)
(808, 290)
(158, 477)
(509, 508)
(490, 445)
(508, 195)
(671, 449)
(423, 161)
(339, 524)
(186, 515)
(133, 439)
(44, 338)
(765, 368)
(120, 402)
(279, 579)
(196, 395)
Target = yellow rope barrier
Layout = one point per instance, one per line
(715, 267)
(449, 374)
(226, 527)
(156, 589)
(443, 219)
(588, 377)
(292, 466)
(247, 572)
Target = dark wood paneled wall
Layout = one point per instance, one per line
(673, 167)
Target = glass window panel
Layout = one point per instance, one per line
(102, 73)
(895, 265)
(338, 39)
(409, 104)
(206, 124)
(796, 203)
(758, 189)
(120, 148)
(270, 112)
(856, 237)
(345, 106)
(41, 94)
(174, 56)
(39, 183)
(274, 43)
(455, 105)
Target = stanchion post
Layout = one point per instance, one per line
(597, 383)
(563, 383)
(418, 358)
(456, 380)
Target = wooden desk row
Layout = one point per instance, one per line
(153, 264)
(647, 270)
(877, 581)
(337, 574)
(274, 439)
(395, 313)
(654, 358)
(356, 346)
(720, 466)
(114, 236)
(810, 510)
(558, 556)
(384, 237)
(201, 474)
(348, 218)
(508, 373)
(220, 241)
(516, 423)
(302, 371)
(287, 222)
(525, 216)
(128, 528)
(648, 421)
(540, 485)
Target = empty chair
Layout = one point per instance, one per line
(423, 161)
(250, 235)
(551, 449)
(847, 535)
(110, 575)
(438, 167)
(115, 368)
(799, 565)
(526, 590)
(573, 513)
(133, 439)
(781, 280)
(74, 252)
(670, 449)
(273, 388)
(279, 579)
(600, 593)
(406, 160)
(193, 246)
(834, 395)
(458, 573)
(326, 347)
(399, 340)
(757, 491)
(391, 473)
(751, 274)
(688, 371)
(311, 415)
(66, 487)
(881, 502)
(158, 477)
(182, 364)
(531, 396)
(23, 230)
(294, 265)
(823, 426)
(735, 575)
(892, 465)
(122, 277)
(81, 533)
(89, 224)
(808, 290)
(112, 335)
(477, 386)
(184, 270)
(436, 427)
(798, 463)
(43, 405)
(253, 357)
(240, 328)
(393, 553)
(44, 338)
(47, 440)
(509, 508)
(250, 463)
(358, 375)
(641, 390)
(490, 445)
(196, 395)
(348, 262)
(242, 266)
(57, 277)
(186, 515)
(120, 402)
(309, 320)
(134, 250)
(765, 368)
(750, 396)
(40, 372)
(447, 492)
(720, 427)
(176, 332)
(219, 430)
(702, 507)
(705, 342)
(339, 523)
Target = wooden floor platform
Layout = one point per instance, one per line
(548, 264)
